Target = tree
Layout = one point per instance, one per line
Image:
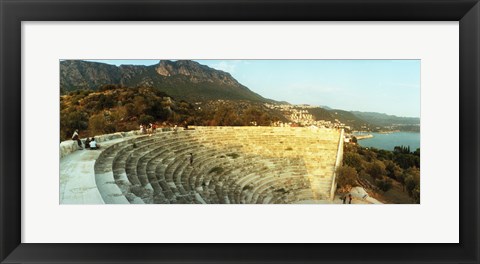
(97, 124)
(158, 112)
(417, 152)
(368, 154)
(416, 194)
(401, 179)
(146, 119)
(392, 169)
(384, 184)
(407, 160)
(140, 104)
(401, 149)
(376, 169)
(130, 110)
(383, 154)
(346, 176)
(353, 160)
(412, 183)
(105, 102)
(71, 120)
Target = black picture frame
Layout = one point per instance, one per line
(13, 12)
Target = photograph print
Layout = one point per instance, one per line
(166, 131)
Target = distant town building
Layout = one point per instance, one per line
(299, 115)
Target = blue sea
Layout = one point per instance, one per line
(389, 141)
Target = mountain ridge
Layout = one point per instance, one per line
(182, 79)
(382, 119)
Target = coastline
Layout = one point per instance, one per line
(388, 141)
(360, 137)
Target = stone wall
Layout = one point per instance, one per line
(338, 163)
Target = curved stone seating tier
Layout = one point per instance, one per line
(230, 165)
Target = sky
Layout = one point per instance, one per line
(383, 86)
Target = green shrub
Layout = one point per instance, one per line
(353, 160)
(376, 169)
(346, 176)
(146, 119)
(384, 184)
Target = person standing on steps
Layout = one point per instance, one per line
(191, 159)
(77, 138)
(154, 127)
(150, 129)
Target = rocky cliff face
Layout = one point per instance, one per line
(129, 72)
(183, 79)
(195, 71)
(76, 74)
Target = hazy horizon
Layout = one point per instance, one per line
(383, 86)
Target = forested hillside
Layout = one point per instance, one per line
(115, 108)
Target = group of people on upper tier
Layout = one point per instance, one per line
(150, 128)
(90, 143)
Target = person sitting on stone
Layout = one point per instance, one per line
(77, 138)
(93, 144)
(87, 143)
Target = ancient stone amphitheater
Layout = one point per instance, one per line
(230, 165)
